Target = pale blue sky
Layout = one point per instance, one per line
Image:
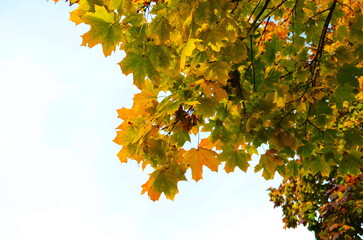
(59, 174)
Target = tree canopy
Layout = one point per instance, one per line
(237, 74)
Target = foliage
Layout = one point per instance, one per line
(331, 206)
(285, 73)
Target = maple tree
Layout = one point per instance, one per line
(330, 206)
(285, 73)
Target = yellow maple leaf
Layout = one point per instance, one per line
(187, 51)
(196, 158)
(213, 89)
(126, 137)
(217, 72)
(126, 113)
(76, 15)
(147, 95)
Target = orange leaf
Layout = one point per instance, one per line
(196, 158)
(148, 187)
(206, 143)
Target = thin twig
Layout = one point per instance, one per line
(253, 65)
(315, 126)
(345, 5)
(253, 11)
(263, 32)
(318, 13)
(268, 14)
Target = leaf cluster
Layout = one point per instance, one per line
(285, 73)
(331, 206)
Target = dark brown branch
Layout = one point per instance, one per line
(235, 7)
(315, 62)
(258, 16)
(324, 31)
(244, 108)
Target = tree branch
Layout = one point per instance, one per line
(258, 16)
(315, 62)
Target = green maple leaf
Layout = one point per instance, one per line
(292, 168)
(269, 162)
(351, 163)
(347, 73)
(271, 49)
(306, 149)
(343, 93)
(356, 29)
(234, 158)
(160, 57)
(318, 164)
(105, 30)
(140, 66)
(159, 29)
(164, 180)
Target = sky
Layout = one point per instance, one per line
(59, 174)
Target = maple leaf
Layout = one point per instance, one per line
(234, 158)
(268, 162)
(140, 66)
(187, 51)
(126, 136)
(148, 94)
(159, 29)
(77, 15)
(213, 89)
(213, 37)
(282, 139)
(105, 30)
(165, 181)
(218, 72)
(196, 158)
